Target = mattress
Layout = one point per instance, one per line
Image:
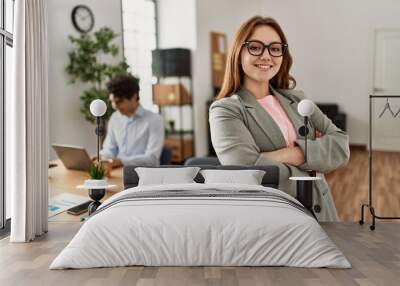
(201, 225)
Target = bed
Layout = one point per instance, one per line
(201, 224)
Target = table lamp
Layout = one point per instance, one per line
(98, 108)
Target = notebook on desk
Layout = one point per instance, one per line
(73, 157)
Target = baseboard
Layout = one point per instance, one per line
(359, 146)
(5, 231)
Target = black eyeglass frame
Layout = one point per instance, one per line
(284, 48)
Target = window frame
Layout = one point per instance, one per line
(137, 71)
(6, 39)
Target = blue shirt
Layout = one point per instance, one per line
(135, 140)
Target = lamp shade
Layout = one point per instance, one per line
(305, 107)
(98, 107)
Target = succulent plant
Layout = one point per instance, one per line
(96, 172)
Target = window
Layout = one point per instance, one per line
(139, 36)
(6, 44)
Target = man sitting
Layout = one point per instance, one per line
(135, 136)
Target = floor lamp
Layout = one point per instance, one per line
(304, 184)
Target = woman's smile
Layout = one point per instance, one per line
(264, 67)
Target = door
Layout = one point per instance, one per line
(386, 112)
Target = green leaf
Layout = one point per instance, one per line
(85, 66)
(96, 172)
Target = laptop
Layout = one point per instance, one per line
(73, 157)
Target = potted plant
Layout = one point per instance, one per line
(96, 185)
(89, 63)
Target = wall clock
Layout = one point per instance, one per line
(82, 18)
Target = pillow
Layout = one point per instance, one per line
(249, 177)
(163, 176)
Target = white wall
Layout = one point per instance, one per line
(332, 46)
(66, 124)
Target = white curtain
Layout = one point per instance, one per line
(26, 117)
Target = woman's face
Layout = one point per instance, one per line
(264, 67)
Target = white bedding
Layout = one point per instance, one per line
(200, 231)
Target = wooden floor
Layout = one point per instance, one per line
(374, 255)
(349, 185)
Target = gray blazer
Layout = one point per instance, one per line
(241, 129)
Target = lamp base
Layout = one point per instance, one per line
(304, 190)
(93, 207)
(304, 193)
(96, 195)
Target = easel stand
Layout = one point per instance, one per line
(369, 205)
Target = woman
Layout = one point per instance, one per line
(254, 120)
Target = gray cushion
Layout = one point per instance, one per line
(270, 179)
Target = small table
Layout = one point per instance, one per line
(304, 191)
(62, 180)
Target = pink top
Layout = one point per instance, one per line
(274, 108)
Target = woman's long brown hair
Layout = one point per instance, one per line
(233, 78)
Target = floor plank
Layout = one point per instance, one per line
(375, 257)
(349, 185)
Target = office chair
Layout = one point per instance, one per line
(202, 161)
(166, 156)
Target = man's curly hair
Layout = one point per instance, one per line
(124, 86)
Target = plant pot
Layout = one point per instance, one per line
(92, 183)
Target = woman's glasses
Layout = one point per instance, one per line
(257, 48)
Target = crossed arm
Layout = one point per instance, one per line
(234, 143)
(290, 155)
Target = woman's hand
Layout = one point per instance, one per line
(290, 155)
